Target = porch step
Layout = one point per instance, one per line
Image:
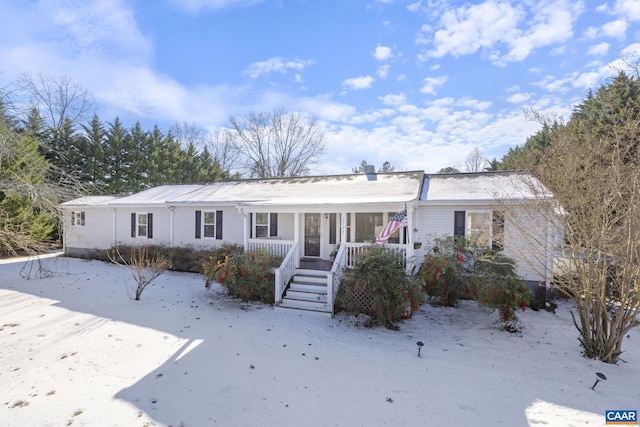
(307, 292)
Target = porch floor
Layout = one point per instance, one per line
(315, 264)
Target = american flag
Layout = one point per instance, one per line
(397, 221)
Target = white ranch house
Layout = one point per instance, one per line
(315, 218)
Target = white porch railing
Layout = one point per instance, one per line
(355, 249)
(285, 272)
(279, 248)
(288, 249)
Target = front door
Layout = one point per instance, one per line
(312, 234)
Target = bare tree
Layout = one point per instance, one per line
(58, 100)
(144, 263)
(31, 189)
(188, 134)
(223, 150)
(594, 175)
(475, 161)
(277, 144)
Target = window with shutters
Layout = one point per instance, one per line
(209, 225)
(77, 219)
(265, 225)
(142, 225)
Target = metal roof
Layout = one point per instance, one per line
(481, 186)
(395, 187)
(353, 189)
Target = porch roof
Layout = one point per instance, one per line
(481, 186)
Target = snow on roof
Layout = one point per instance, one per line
(481, 186)
(90, 201)
(158, 195)
(333, 189)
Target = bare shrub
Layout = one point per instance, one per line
(144, 263)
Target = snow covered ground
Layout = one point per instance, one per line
(76, 349)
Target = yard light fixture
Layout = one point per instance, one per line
(600, 376)
(420, 344)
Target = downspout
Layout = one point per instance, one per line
(171, 225)
(114, 224)
(245, 221)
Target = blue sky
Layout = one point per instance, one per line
(418, 83)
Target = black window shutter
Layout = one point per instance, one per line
(251, 225)
(82, 218)
(73, 218)
(149, 226)
(219, 225)
(458, 223)
(273, 224)
(133, 225)
(198, 224)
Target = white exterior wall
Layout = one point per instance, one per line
(286, 225)
(161, 231)
(529, 240)
(185, 226)
(95, 234)
(433, 221)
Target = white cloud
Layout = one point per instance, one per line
(275, 64)
(414, 7)
(501, 31)
(357, 83)
(518, 98)
(615, 29)
(382, 53)
(197, 5)
(598, 49)
(430, 84)
(393, 99)
(383, 71)
(630, 9)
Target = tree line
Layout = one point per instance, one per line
(54, 147)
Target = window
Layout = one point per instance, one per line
(479, 228)
(142, 225)
(77, 218)
(266, 225)
(209, 225)
(368, 225)
(398, 235)
(262, 224)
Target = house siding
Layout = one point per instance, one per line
(185, 226)
(95, 234)
(436, 221)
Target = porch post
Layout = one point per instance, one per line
(410, 250)
(343, 227)
(296, 237)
